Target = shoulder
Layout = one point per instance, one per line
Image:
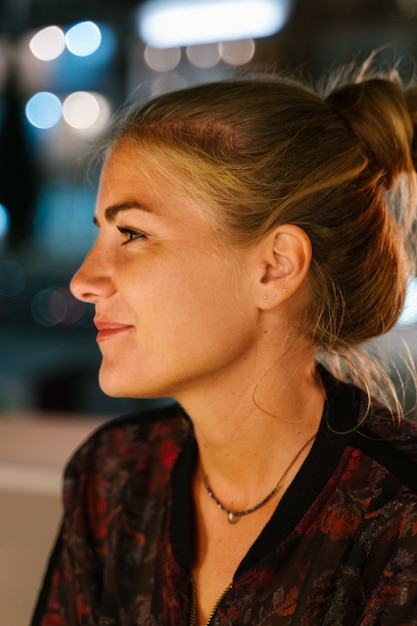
(391, 443)
(376, 434)
(129, 445)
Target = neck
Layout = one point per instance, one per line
(247, 438)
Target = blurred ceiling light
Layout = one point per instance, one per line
(204, 55)
(237, 52)
(162, 60)
(169, 23)
(48, 43)
(44, 110)
(81, 109)
(83, 38)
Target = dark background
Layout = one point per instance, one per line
(48, 355)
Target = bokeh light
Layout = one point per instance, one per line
(237, 52)
(162, 59)
(4, 221)
(83, 38)
(204, 55)
(80, 109)
(51, 307)
(48, 43)
(44, 110)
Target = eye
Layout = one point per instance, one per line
(130, 234)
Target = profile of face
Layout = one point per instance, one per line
(174, 306)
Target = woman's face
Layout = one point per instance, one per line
(173, 304)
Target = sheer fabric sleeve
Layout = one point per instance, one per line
(71, 588)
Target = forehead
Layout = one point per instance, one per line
(128, 162)
(128, 171)
(133, 174)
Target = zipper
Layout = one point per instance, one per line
(193, 608)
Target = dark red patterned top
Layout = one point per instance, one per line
(340, 549)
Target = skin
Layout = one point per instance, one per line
(183, 314)
(168, 291)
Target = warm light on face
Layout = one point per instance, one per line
(164, 24)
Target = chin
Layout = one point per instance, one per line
(114, 386)
(119, 387)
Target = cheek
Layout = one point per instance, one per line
(183, 295)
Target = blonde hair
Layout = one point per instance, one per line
(338, 160)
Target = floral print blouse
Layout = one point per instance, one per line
(339, 550)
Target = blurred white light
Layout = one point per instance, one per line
(204, 55)
(162, 60)
(4, 221)
(237, 52)
(103, 118)
(409, 314)
(83, 38)
(48, 43)
(44, 110)
(169, 23)
(80, 109)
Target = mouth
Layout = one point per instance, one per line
(106, 330)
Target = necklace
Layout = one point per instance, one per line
(234, 516)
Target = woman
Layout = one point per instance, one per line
(252, 234)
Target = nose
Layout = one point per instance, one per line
(93, 280)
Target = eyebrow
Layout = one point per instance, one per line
(112, 211)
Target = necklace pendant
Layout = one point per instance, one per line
(232, 518)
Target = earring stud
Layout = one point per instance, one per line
(274, 295)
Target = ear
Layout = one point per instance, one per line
(283, 261)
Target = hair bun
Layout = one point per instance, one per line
(376, 112)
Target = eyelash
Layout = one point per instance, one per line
(133, 235)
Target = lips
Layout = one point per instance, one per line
(106, 330)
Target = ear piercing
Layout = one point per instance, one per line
(274, 295)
